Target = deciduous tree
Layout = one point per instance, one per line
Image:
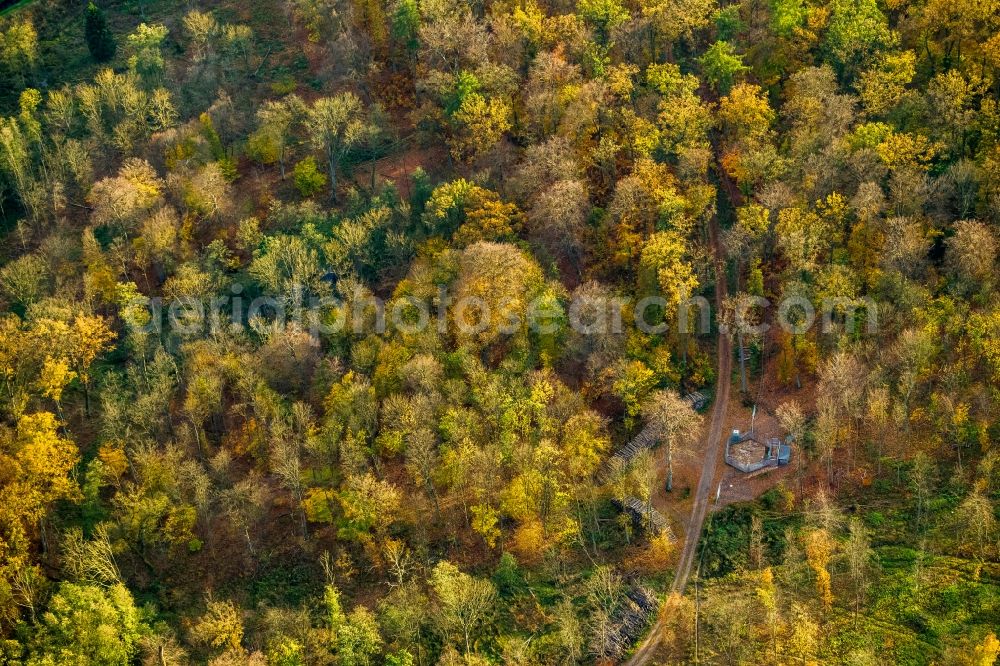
(673, 422)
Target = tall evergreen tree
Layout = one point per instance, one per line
(100, 40)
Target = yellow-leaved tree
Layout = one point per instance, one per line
(35, 464)
(78, 342)
(496, 285)
(819, 547)
(663, 263)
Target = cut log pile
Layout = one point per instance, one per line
(630, 620)
(646, 439)
(697, 400)
(639, 605)
(640, 511)
(647, 516)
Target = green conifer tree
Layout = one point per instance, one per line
(100, 40)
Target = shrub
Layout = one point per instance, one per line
(308, 179)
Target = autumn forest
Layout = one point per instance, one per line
(528, 332)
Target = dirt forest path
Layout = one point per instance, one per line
(715, 434)
(647, 649)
